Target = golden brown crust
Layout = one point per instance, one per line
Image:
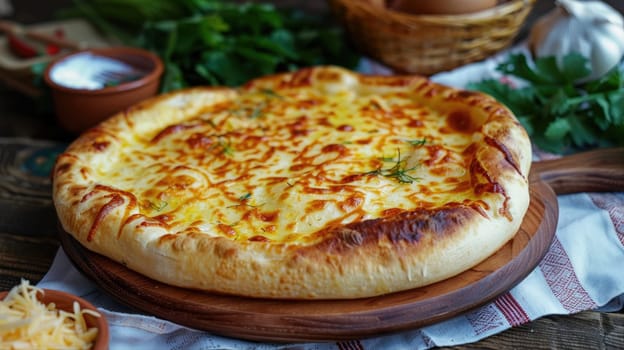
(412, 235)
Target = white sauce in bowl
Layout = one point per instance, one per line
(91, 72)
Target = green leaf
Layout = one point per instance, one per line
(225, 66)
(559, 104)
(263, 62)
(266, 45)
(559, 113)
(187, 36)
(581, 132)
(611, 81)
(602, 113)
(517, 65)
(574, 67)
(615, 101)
(548, 70)
(557, 129)
(173, 79)
(205, 73)
(160, 37)
(199, 36)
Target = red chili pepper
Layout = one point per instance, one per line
(21, 48)
(52, 49)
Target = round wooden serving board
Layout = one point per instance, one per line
(287, 320)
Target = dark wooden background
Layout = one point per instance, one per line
(29, 11)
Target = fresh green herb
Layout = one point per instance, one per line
(218, 42)
(398, 171)
(226, 146)
(157, 206)
(256, 112)
(387, 159)
(244, 201)
(417, 143)
(559, 113)
(223, 145)
(272, 94)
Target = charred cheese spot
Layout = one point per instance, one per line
(391, 212)
(100, 146)
(258, 238)
(345, 127)
(200, 141)
(226, 229)
(173, 129)
(462, 121)
(62, 167)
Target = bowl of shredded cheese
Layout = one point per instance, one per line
(36, 318)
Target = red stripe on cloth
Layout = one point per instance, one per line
(350, 345)
(511, 309)
(485, 319)
(614, 205)
(562, 280)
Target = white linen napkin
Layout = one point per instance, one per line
(581, 271)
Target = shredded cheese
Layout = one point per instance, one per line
(27, 323)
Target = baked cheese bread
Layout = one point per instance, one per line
(317, 184)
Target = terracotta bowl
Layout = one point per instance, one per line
(65, 301)
(79, 107)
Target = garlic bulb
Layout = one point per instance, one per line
(590, 28)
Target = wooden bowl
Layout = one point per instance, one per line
(65, 301)
(79, 106)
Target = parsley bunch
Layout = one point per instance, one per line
(560, 114)
(220, 42)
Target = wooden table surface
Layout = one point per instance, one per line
(28, 236)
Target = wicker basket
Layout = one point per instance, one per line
(427, 44)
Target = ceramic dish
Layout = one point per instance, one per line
(65, 301)
(89, 86)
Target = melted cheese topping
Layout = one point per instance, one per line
(26, 323)
(281, 165)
